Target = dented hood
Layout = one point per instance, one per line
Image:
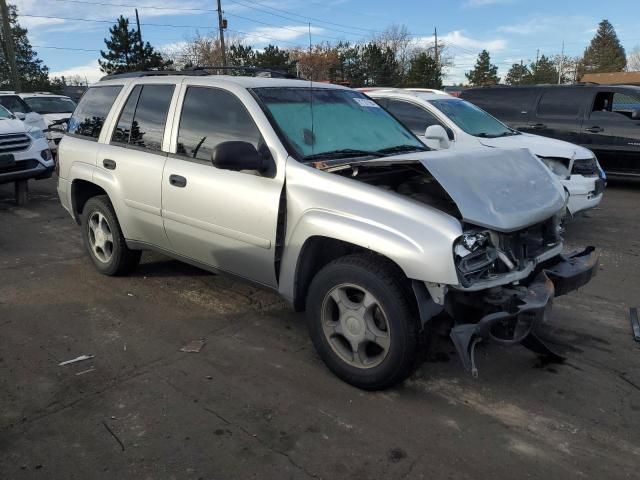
(500, 189)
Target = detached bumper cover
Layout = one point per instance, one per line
(519, 310)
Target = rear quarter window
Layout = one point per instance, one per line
(89, 116)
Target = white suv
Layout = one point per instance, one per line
(442, 121)
(316, 192)
(53, 108)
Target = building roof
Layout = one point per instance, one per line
(616, 78)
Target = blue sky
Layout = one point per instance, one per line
(510, 29)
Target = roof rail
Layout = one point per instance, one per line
(202, 71)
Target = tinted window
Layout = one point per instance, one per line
(44, 105)
(89, 116)
(559, 102)
(123, 128)
(211, 116)
(14, 104)
(147, 128)
(507, 103)
(472, 119)
(415, 118)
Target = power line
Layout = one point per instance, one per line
(140, 7)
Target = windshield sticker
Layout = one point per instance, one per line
(365, 102)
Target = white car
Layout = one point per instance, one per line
(446, 122)
(16, 105)
(24, 152)
(53, 108)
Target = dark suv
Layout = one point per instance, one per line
(603, 118)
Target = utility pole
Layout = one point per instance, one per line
(435, 34)
(140, 44)
(521, 71)
(560, 67)
(221, 27)
(8, 41)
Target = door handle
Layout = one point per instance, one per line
(109, 164)
(537, 126)
(595, 129)
(177, 181)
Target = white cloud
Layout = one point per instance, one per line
(457, 40)
(90, 71)
(485, 3)
(287, 33)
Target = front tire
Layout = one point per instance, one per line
(362, 321)
(103, 239)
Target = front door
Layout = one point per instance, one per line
(612, 133)
(221, 218)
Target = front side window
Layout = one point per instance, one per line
(4, 113)
(415, 118)
(319, 122)
(88, 118)
(14, 104)
(471, 119)
(209, 117)
(45, 105)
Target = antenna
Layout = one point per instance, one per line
(313, 135)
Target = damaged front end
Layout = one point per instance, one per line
(516, 313)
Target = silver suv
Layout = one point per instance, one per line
(315, 191)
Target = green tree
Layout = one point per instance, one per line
(275, 58)
(381, 66)
(544, 71)
(424, 71)
(484, 73)
(125, 54)
(605, 53)
(33, 74)
(518, 75)
(351, 68)
(241, 55)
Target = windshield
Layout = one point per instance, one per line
(44, 105)
(334, 123)
(4, 113)
(14, 104)
(471, 119)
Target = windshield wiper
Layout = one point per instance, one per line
(344, 153)
(403, 148)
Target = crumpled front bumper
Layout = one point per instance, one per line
(518, 311)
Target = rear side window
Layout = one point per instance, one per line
(559, 103)
(209, 117)
(507, 103)
(88, 118)
(144, 116)
(414, 118)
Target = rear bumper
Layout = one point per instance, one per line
(514, 312)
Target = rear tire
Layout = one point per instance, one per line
(362, 321)
(103, 238)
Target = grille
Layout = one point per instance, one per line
(15, 142)
(587, 167)
(19, 166)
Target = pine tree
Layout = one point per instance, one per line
(381, 66)
(33, 74)
(274, 58)
(125, 54)
(518, 75)
(424, 71)
(543, 71)
(605, 53)
(484, 72)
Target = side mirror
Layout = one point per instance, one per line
(236, 155)
(20, 115)
(437, 137)
(635, 114)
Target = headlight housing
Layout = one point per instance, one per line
(36, 134)
(557, 165)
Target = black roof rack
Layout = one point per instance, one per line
(203, 71)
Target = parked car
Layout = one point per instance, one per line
(446, 122)
(24, 153)
(320, 194)
(53, 108)
(603, 118)
(18, 107)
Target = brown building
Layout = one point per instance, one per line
(617, 78)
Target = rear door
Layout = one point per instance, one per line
(222, 218)
(135, 156)
(611, 132)
(558, 114)
(511, 105)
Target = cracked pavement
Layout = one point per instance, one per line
(256, 401)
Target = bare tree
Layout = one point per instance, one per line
(318, 64)
(200, 50)
(633, 60)
(398, 39)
